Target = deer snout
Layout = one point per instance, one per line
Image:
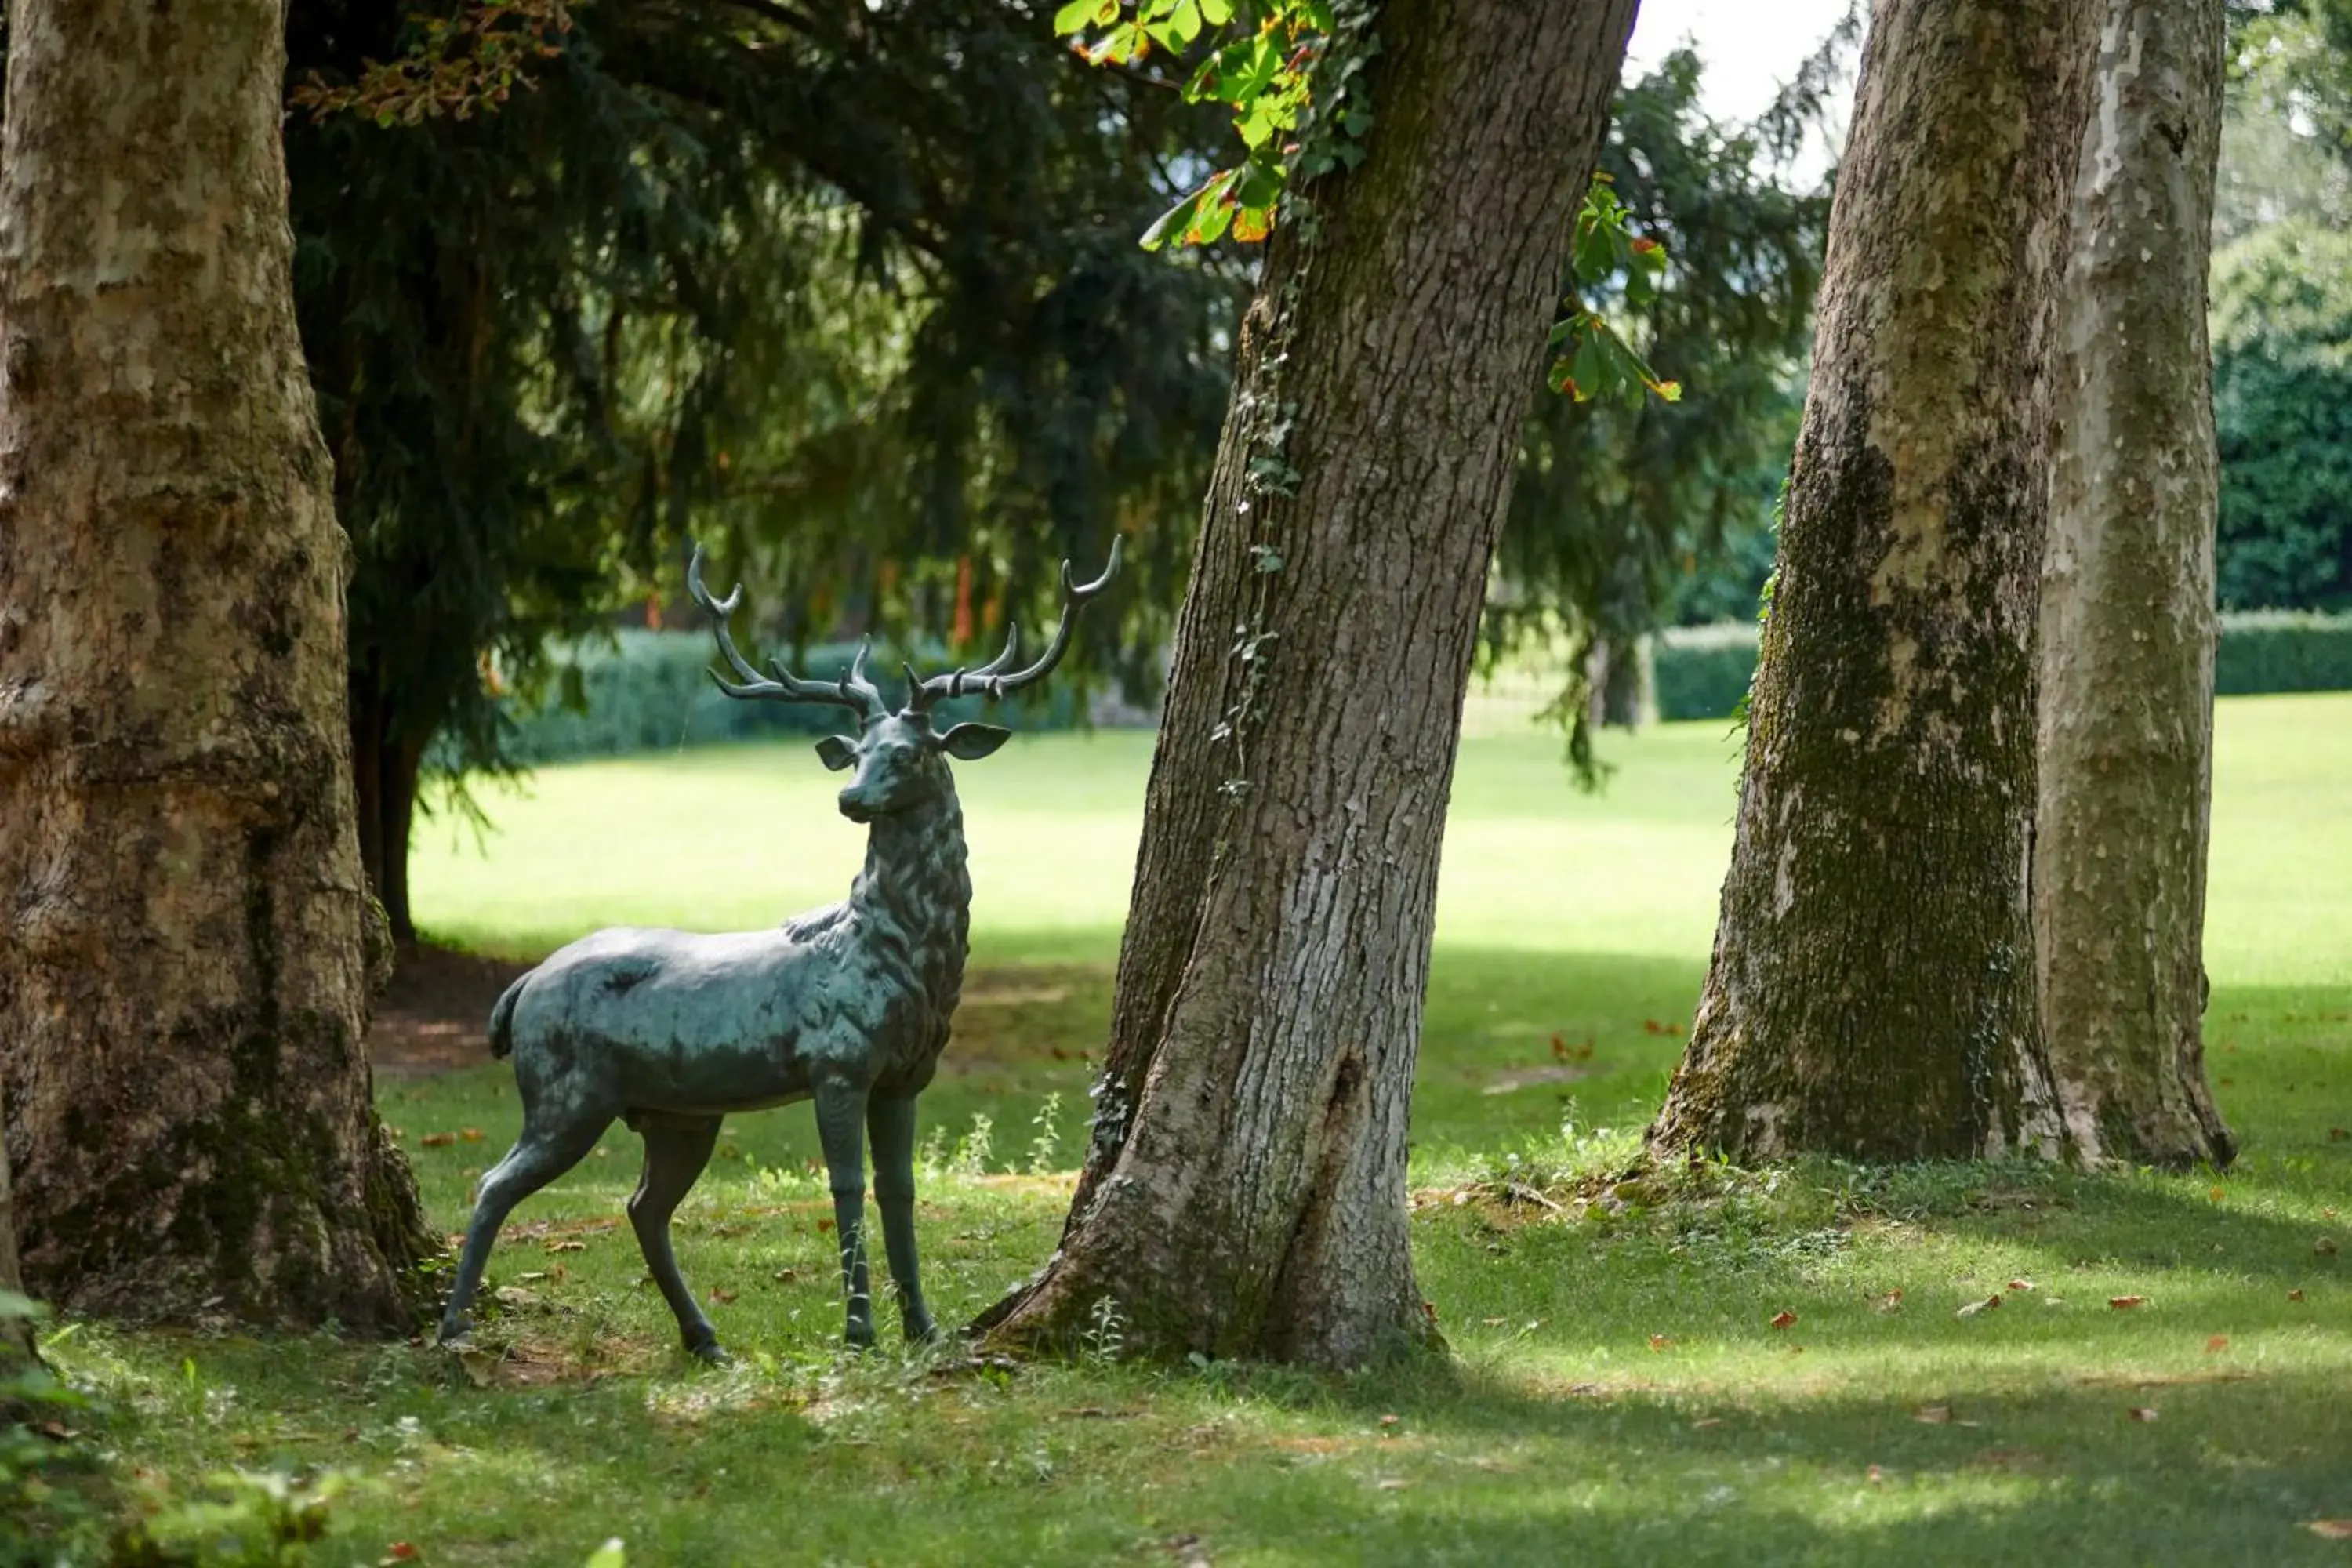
(856, 806)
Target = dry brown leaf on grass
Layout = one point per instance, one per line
(2143, 1413)
(2126, 1303)
(2331, 1529)
(567, 1247)
(1784, 1319)
(437, 1139)
(2022, 1286)
(724, 1298)
(2295, 1294)
(1661, 1341)
(1933, 1414)
(2218, 1343)
(1973, 1308)
(1890, 1302)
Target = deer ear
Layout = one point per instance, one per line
(835, 752)
(970, 743)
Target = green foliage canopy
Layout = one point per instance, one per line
(2282, 324)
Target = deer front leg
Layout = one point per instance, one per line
(890, 1123)
(841, 1131)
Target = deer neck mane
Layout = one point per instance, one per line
(914, 895)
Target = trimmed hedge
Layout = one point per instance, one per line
(1702, 672)
(650, 692)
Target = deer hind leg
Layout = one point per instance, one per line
(538, 1156)
(676, 1149)
(890, 1126)
(840, 1130)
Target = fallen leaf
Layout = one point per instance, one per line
(1493, 1322)
(2325, 1247)
(1390, 1420)
(470, 1134)
(2218, 1343)
(2338, 1134)
(2295, 1295)
(2331, 1529)
(2020, 1285)
(402, 1552)
(1933, 1414)
(1875, 1475)
(1784, 1319)
(434, 1140)
(1890, 1302)
(825, 1225)
(1665, 1341)
(2143, 1413)
(2126, 1303)
(2327, 1214)
(530, 1275)
(1393, 1484)
(724, 1298)
(567, 1247)
(1973, 1308)
(2217, 1194)
(1705, 1421)
(786, 1276)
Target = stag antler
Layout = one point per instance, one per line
(990, 680)
(853, 692)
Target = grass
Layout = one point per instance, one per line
(1617, 1390)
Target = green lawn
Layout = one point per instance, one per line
(1617, 1391)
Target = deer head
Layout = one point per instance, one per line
(901, 762)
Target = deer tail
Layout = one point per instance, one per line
(502, 1020)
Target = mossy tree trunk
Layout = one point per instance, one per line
(185, 942)
(1872, 993)
(1244, 1191)
(2127, 619)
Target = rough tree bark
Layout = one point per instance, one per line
(2127, 619)
(1244, 1194)
(1872, 992)
(185, 945)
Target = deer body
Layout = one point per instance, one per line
(676, 1022)
(847, 1006)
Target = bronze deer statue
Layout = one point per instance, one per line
(847, 1006)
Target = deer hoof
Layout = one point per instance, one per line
(710, 1354)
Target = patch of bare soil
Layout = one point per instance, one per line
(436, 1014)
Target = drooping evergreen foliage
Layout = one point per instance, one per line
(848, 290)
(1624, 508)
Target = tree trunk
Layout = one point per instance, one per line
(2128, 622)
(188, 945)
(15, 1332)
(384, 771)
(1245, 1192)
(1872, 990)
